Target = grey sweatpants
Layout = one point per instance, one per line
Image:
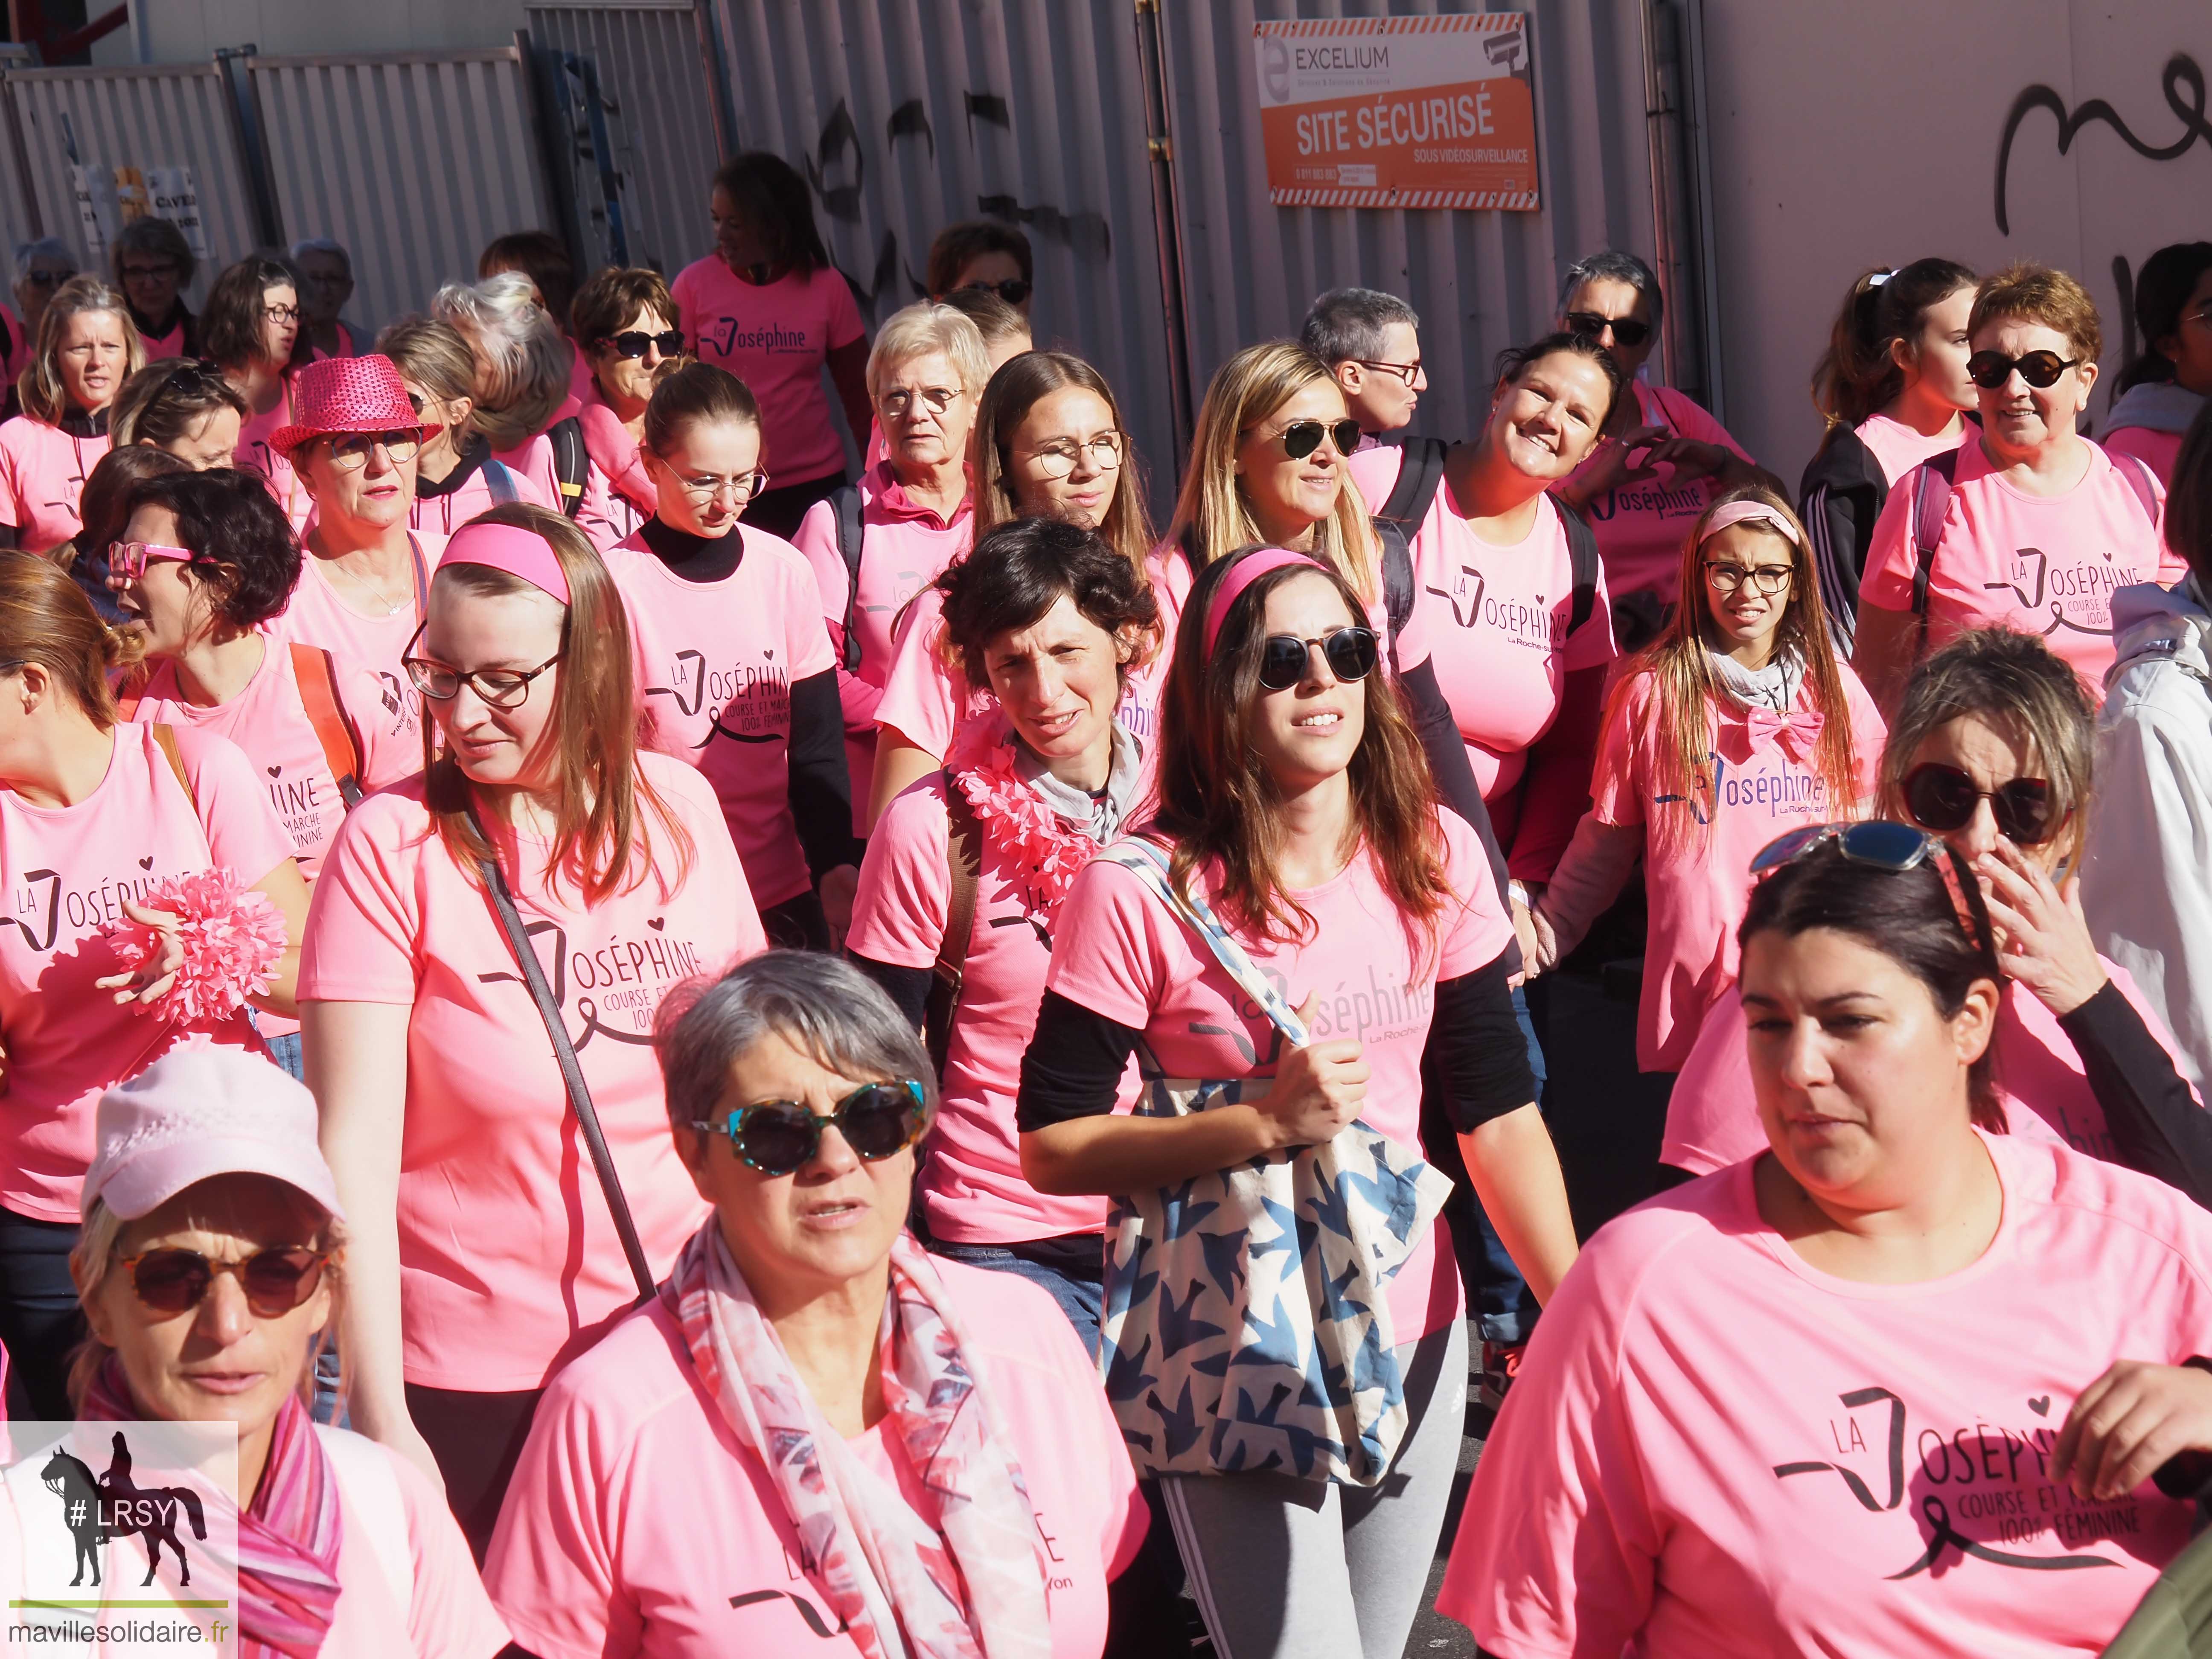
(1288, 1568)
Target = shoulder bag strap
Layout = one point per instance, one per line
(166, 735)
(2137, 472)
(1583, 560)
(422, 577)
(963, 856)
(845, 515)
(319, 696)
(1148, 862)
(580, 1094)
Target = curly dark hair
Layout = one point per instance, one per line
(1020, 571)
(242, 545)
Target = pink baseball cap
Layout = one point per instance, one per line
(204, 1109)
(345, 395)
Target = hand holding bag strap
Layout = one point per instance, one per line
(580, 1095)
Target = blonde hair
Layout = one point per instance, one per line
(1211, 517)
(522, 360)
(435, 355)
(39, 387)
(921, 329)
(45, 618)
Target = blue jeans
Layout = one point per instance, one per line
(285, 1051)
(1497, 1297)
(1083, 1300)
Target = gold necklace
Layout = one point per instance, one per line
(390, 605)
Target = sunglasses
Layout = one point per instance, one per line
(128, 560)
(276, 1281)
(45, 278)
(1013, 290)
(1626, 330)
(635, 342)
(1302, 438)
(1895, 847)
(1989, 370)
(1350, 653)
(1943, 798)
(777, 1137)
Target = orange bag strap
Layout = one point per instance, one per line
(319, 696)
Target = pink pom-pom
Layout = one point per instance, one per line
(232, 939)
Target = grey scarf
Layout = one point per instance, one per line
(1774, 686)
(1100, 814)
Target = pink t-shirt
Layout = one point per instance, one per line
(255, 453)
(2157, 450)
(776, 339)
(903, 547)
(720, 661)
(161, 346)
(386, 707)
(1897, 448)
(1375, 466)
(619, 494)
(42, 474)
(1759, 780)
(1714, 1449)
(66, 871)
(2044, 564)
(508, 1260)
(1712, 1117)
(530, 478)
(972, 1188)
(1640, 525)
(447, 1614)
(638, 1527)
(1119, 952)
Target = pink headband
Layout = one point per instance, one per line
(1751, 512)
(518, 552)
(1248, 570)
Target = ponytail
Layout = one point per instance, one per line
(1856, 376)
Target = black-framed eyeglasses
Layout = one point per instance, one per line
(776, 1137)
(177, 1281)
(1889, 845)
(1013, 290)
(1944, 799)
(1412, 373)
(1350, 652)
(280, 314)
(46, 278)
(635, 342)
(499, 688)
(1626, 330)
(164, 268)
(1301, 438)
(1725, 578)
(1989, 370)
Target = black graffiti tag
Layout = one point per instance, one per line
(2183, 82)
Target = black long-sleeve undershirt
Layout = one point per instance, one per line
(1454, 774)
(908, 988)
(2156, 1125)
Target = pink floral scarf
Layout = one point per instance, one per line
(1043, 846)
(971, 1587)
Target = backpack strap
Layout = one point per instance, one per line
(421, 577)
(571, 462)
(1931, 501)
(1583, 559)
(166, 735)
(1420, 471)
(2137, 472)
(844, 514)
(500, 481)
(963, 852)
(316, 675)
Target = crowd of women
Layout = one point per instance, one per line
(914, 1065)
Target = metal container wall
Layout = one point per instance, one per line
(1481, 281)
(908, 115)
(413, 161)
(167, 115)
(658, 98)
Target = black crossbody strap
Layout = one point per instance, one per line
(580, 1094)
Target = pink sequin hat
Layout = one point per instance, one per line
(348, 394)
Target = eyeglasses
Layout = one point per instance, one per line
(165, 268)
(276, 1281)
(1063, 455)
(740, 489)
(1724, 578)
(1944, 799)
(1412, 373)
(350, 451)
(280, 314)
(1626, 330)
(1989, 370)
(635, 342)
(46, 278)
(896, 403)
(499, 688)
(1301, 438)
(1895, 847)
(1350, 653)
(776, 1137)
(1013, 290)
(128, 560)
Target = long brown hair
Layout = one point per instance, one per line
(1687, 691)
(1217, 803)
(1020, 385)
(45, 618)
(597, 826)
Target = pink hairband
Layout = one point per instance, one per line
(521, 553)
(1751, 512)
(1248, 570)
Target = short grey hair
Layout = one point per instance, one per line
(1617, 266)
(308, 244)
(1350, 325)
(522, 361)
(47, 248)
(921, 328)
(819, 1004)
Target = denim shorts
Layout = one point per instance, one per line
(1083, 1300)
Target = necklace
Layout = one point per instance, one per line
(390, 605)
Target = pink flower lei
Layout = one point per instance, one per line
(1045, 849)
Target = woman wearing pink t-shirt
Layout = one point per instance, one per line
(1892, 387)
(737, 676)
(211, 1269)
(184, 406)
(1052, 620)
(485, 1253)
(93, 815)
(768, 306)
(2159, 392)
(817, 1439)
(913, 509)
(87, 350)
(1990, 749)
(153, 264)
(1899, 1385)
(625, 323)
(249, 323)
(456, 475)
(1738, 723)
(2038, 526)
(1293, 805)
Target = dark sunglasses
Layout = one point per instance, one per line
(1989, 370)
(1626, 330)
(1013, 290)
(1943, 798)
(1350, 653)
(1302, 438)
(635, 342)
(276, 1281)
(1890, 846)
(779, 1136)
